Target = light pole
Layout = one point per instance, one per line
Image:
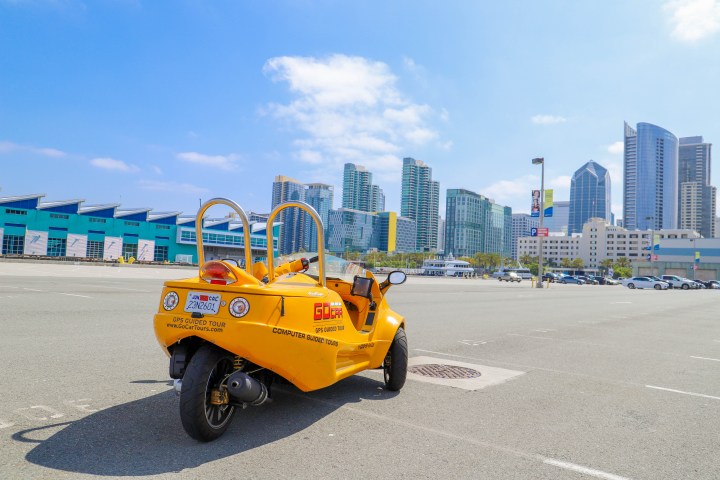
(652, 243)
(541, 161)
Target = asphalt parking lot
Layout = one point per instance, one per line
(600, 382)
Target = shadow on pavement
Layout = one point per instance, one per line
(145, 437)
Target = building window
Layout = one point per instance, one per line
(129, 250)
(162, 227)
(97, 220)
(161, 253)
(95, 249)
(13, 244)
(57, 247)
(12, 211)
(132, 224)
(60, 216)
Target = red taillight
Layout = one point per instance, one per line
(217, 273)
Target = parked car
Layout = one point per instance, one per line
(653, 277)
(678, 282)
(510, 277)
(588, 279)
(606, 280)
(571, 279)
(710, 283)
(550, 277)
(644, 282)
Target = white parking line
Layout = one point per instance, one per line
(706, 358)
(73, 295)
(456, 437)
(116, 288)
(32, 289)
(529, 336)
(684, 393)
(473, 343)
(618, 303)
(580, 469)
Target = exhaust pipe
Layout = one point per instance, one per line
(245, 389)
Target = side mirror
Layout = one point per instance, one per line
(362, 287)
(396, 278)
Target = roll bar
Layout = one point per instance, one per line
(246, 229)
(320, 237)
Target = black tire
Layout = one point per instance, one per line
(685, 286)
(631, 286)
(207, 369)
(563, 282)
(657, 286)
(396, 361)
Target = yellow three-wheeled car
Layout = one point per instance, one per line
(230, 331)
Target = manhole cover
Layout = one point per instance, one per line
(443, 371)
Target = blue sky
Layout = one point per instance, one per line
(160, 104)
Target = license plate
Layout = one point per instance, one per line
(201, 302)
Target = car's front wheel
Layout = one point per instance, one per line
(658, 287)
(685, 286)
(203, 418)
(396, 362)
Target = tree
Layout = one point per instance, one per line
(578, 263)
(622, 262)
(566, 263)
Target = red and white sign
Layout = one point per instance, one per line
(542, 232)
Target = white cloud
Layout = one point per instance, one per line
(349, 109)
(7, 147)
(547, 119)
(223, 162)
(507, 190)
(107, 163)
(561, 182)
(171, 187)
(693, 20)
(157, 170)
(616, 148)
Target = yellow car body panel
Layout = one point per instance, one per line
(294, 327)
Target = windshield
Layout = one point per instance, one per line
(335, 267)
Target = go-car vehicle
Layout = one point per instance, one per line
(230, 331)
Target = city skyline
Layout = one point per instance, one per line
(91, 91)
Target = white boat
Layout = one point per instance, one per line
(447, 268)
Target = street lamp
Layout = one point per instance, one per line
(541, 161)
(652, 243)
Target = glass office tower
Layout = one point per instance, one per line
(589, 196)
(650, 189)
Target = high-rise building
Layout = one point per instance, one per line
(589, 196)
(320, 197)
(395, 233)
(420, 201)
(697, 200)
(359, 193)
(293, 220)
(560, 219)
(521, 225)
(650, 177)
(465, 218)
(474, 223)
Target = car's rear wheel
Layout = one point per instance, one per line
(201, 418)
(631, 286)
(396, 362)
(658, 287)
(563, 282)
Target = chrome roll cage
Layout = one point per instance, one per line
(320, 238)
(246, 230)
